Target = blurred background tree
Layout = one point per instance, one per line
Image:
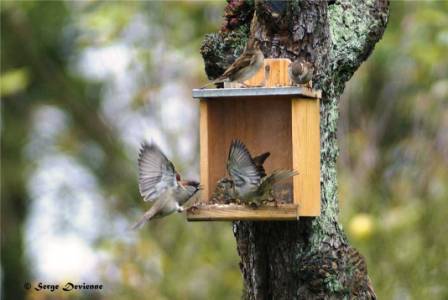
(394, 154)
(83, 83)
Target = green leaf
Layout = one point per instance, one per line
(13, 81)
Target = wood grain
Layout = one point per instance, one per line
(203, 148)
(233, 212)
(276, 72)
(306, 155)
(263, 124)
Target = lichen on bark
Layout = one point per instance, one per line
(311, 258)
(220, 50)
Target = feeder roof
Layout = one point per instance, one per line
(257, 92)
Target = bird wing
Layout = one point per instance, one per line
(240, 165)
(156, 172)
(240, 63)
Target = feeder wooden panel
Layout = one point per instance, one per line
(229, 212)
(281, 120)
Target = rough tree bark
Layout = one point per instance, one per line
(310, 258)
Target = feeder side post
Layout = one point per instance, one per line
(204, 149)
(306, 155)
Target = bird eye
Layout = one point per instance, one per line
(177, 177)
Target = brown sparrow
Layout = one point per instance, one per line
(244, 67)
(160, 183)
(300, 71)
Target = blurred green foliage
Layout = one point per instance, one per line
(393, 171)
(394, 159)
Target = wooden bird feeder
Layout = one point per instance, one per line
(279, 118)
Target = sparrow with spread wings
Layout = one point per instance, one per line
(250, 181)
(160, 183)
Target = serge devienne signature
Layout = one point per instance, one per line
(69, 286)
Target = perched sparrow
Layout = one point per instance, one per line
(224, 192)
(300, 71)
(159, 182)
(244, 67)
(249, 184)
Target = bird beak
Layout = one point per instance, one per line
(200, 187)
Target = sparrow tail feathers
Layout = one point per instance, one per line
(280, 175)
(146, 217)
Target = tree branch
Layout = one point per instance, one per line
(353, 41)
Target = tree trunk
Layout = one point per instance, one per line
(14, 199)
(310, 258)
